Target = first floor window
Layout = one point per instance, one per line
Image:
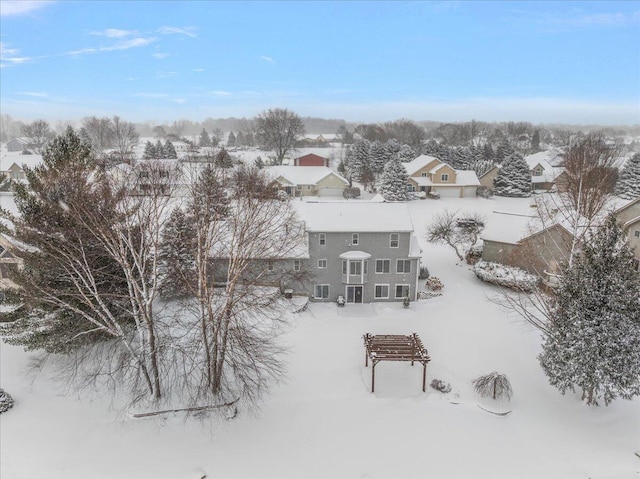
(402, 290)
(403, 266)
(382, 291)
(344, 266)
(296, 265)
(382, 265)
(322, 263)
(322, 291)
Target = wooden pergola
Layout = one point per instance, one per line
(395, 347)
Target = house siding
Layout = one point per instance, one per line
(375, 244)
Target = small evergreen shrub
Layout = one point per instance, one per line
(424, 272)
(507, 276)
(351, 192)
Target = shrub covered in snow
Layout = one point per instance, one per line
(6, 401)
(507, 276)
(442, 386)
(484, 192)
(351, 192)
(434, 283)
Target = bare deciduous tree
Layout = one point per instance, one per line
(460, 231)
(279, 129)
(98, 133)
(39, 133)
(125, 138)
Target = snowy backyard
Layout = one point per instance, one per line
(325, 423)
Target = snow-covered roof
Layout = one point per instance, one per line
(355, 255)
(547, 160)
(507, 227)
(309, 175)
(30, 160)
(418, 163)
(463, 178)
(354, 216)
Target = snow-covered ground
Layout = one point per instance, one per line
(325, 423)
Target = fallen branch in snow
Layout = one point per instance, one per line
(187, 409)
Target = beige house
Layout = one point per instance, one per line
(521, 241)
(428, 174)
(8, 261)
(629, 218)
(542, 169)
(487, 178)
(12, 165)
(308, 181)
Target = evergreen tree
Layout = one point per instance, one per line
(240, 139)
(149, 151)
(593, 339)
(169, 151)
(488, 153)
(535, 142)
(358, 160)
(393, 182)
(514, 178)
(159, 150)
(231, 140)
(503, 151)
(628, 185)
(205, 139)
(259, 162)
(393, 147)
(176, 254)
(378, 157)
(223, 159)
(406, 153)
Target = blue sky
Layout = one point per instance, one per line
(539, 61)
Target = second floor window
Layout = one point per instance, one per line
(322, 239)
(355, 238)
(355, 267)
(394, 240)
(444, 177)
(382, 265)
(296, 265)
(403, 266)
(270, 265)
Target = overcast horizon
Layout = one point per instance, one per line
(540, 62)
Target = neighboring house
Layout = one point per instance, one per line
(542, 169)
(8, 261)
(487, 177)
(319, 140)
(363, 251)
(12, 165)
(146, 177)
(520, 241)
(428, 174)
(19, 144)
(311, 160)
(308, 181)
(629, 218)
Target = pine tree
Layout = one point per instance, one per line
(259, 162)
(223, 159)
(378, 157)
(628, 185)
(514, 178)
(394, 181)
(406, 153)
(169, 151)
(593, 340)
(358, 161)
(231, 140)
(503, 151)
(205, 139)
(176, 254)
(535, 142)
(393, 147)
(159, 150)
(149, 151)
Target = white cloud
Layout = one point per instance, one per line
(163, 74)
(8, 56)
(179, 100)
(199, 70)
(114, 33)
(160, 55)
(123, 45)
(34, 94)
(188, 31)
(151, 95)
(20, 7)
(268, 59)
(221, 93)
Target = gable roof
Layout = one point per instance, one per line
(418, 163)
(628, 205)
(309, 175)
(354, 216)
(548, 161)
(7, 161)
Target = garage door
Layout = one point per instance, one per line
(453, 192)
(470, 191)
(330, 192)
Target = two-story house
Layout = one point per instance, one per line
(365, 252)
(428, 174)
(308, 181)
(542, 169)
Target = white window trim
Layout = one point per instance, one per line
(636, 233)
(444, 177)
(397, 235)
(395, 290)
(404, 263)
(355, 239)
(375, 286)
(325, 263)
(296, 265)
(382, 272)
(270, 265)
(322, 239)
(315, 291)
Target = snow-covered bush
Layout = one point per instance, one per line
(493, 385)
(507, 276)
(442, 386)
(424, 272)
(484, 192)
(351, 192)
(6, 401)
(434, 283)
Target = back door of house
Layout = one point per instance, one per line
(354, 294)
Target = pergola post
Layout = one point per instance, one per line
(373, 376)
(424, 376)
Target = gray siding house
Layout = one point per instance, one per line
(363, 251)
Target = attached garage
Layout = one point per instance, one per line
(330, 191)
(447, 192)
